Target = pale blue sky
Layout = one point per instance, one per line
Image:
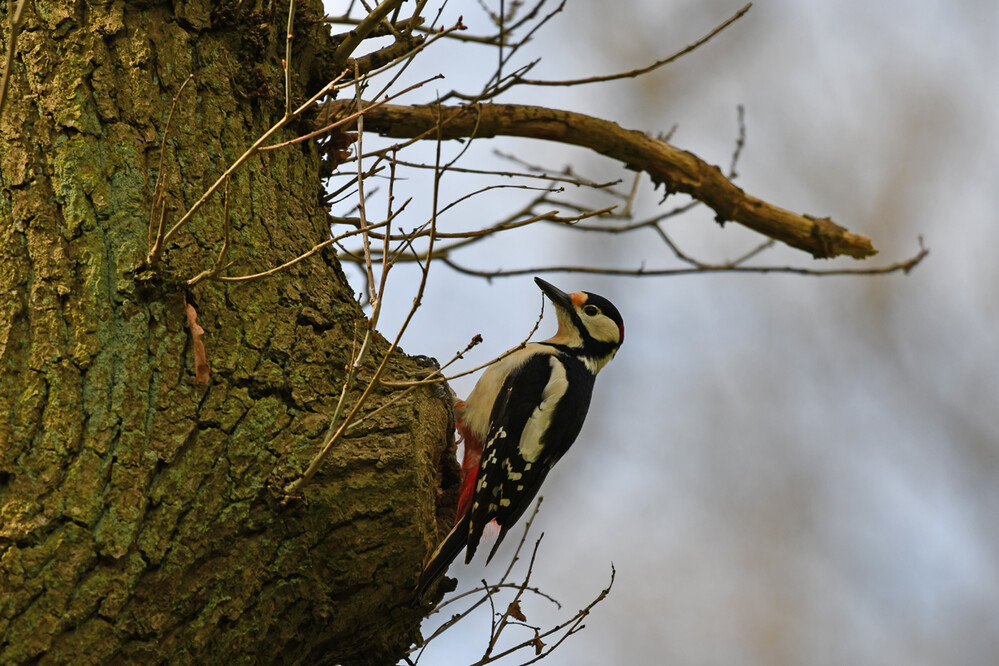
(784, 470)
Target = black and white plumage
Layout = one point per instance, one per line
(522, 416)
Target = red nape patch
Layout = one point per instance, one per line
(621, 326)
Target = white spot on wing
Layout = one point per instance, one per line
(510, 474)
(530, 445)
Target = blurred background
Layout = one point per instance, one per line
(782, 469)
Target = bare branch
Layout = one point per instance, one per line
(642, 70)
(677, 170)
(352, 118)
(383, 29)
(160, 177)
(331, 440)
(362, 207)
(431, 379)
(730, 267)
(289, 36)
(488, 589)
(220, 264)
(301, 257)
(573, 624)
(740, 142)
(163, 239)
(505, 619)
(513, 221)
(558, 178)
(354, 38)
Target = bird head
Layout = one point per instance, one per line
(588, 325)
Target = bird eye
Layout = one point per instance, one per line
(591, 310)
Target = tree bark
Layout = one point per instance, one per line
(139, 516)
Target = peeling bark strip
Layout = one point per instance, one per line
(678, 170)
(201, 370)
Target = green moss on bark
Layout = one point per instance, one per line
(138, 521)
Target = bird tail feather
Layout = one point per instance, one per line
(456, 539)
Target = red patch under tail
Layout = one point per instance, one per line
(469, 468)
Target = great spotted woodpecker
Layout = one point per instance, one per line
(522, 416)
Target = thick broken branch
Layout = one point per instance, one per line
(677, 170)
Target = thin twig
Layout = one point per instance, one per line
(630, 201)
(431, 380)
(349, 118)
(16, 14)
(901, 266)
(317, 461)
(301, 257)
(766, 245)
(399, 395)
(289, 36)
(161, 176)
(487, 588)
(641, 224)
(740, 142)
(361, 32)
(163, 239)
(643, 70)
(498, 83)
(677, 252)
(679, 171)
(574, 624)
(469, 237)
(365, 239)
(220, 264)
(505, 619)
(571, 626)
(557, 174)
(495, 587)
(569, 179)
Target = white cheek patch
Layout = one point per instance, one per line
(604, 329)
(530, 445)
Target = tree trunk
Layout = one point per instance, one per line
(141, 517)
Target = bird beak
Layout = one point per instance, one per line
(561, 299)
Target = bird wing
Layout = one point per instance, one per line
(521, 446)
